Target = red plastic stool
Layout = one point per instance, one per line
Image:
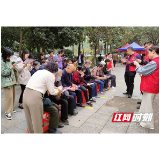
(45, 119)
(84, 100)
(98, 86)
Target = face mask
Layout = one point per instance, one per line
(89, 66)
(37, 68)
(59, 78)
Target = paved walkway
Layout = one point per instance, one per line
(95, 120)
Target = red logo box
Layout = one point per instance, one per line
(122, 117)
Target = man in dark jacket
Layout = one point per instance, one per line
(90, 79)
(80, 58)
(67, 82)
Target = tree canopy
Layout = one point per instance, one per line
(38, 39)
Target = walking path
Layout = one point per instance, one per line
(92, 120)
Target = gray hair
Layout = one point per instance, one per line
(87, 61)
(130, 48)
(58, 72)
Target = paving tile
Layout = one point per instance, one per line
(14, 130)
(134, 127)
(113, 127)
(107, 110)
(89, 128)
(99, 119)
(77, 121)
(10, 123)
(68, 129)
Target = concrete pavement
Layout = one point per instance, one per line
(95, 120)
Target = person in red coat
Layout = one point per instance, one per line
(149, 84)
(78, 79)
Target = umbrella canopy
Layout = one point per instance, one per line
(123, 47)
(135, 46)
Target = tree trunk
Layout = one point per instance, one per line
(73, 48)
(110, 49)
(43, 49)
(105, 48)
(38, 48)
(79, 48)
(95, 54)
(98, 48)
(20, 44)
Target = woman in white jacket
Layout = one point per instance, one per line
(23, 74)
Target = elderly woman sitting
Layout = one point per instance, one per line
(100, 78)
(106, 72)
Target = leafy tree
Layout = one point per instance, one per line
(10, 37)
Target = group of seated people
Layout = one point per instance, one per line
(75, 80)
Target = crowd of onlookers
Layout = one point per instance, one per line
(63, 87)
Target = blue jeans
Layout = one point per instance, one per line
(94, 89)
(101, 85)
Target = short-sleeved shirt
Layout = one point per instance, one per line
(60, 62)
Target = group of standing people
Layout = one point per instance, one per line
(148, 69)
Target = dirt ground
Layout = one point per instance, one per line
(123, 104)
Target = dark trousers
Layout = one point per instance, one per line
(49, 107)
(113, 80)
(77, 93)
(94, 89)
(80, 64)
(83, 88)
(114, 63)
(67, 106)
(105, 83)
(129, 79)
(22, 90)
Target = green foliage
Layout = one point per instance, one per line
(10, 36)
(38, 39)
(68, 53)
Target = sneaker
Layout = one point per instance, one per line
(97, 96)
(101, 92)
(21, 107)
(80, 105)
(14, 111)
(74, 113)
(54, 131)
(65, 121)
(113, 87)
(60, 125)
(89, 103)
(93, 100)
(8, 116)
